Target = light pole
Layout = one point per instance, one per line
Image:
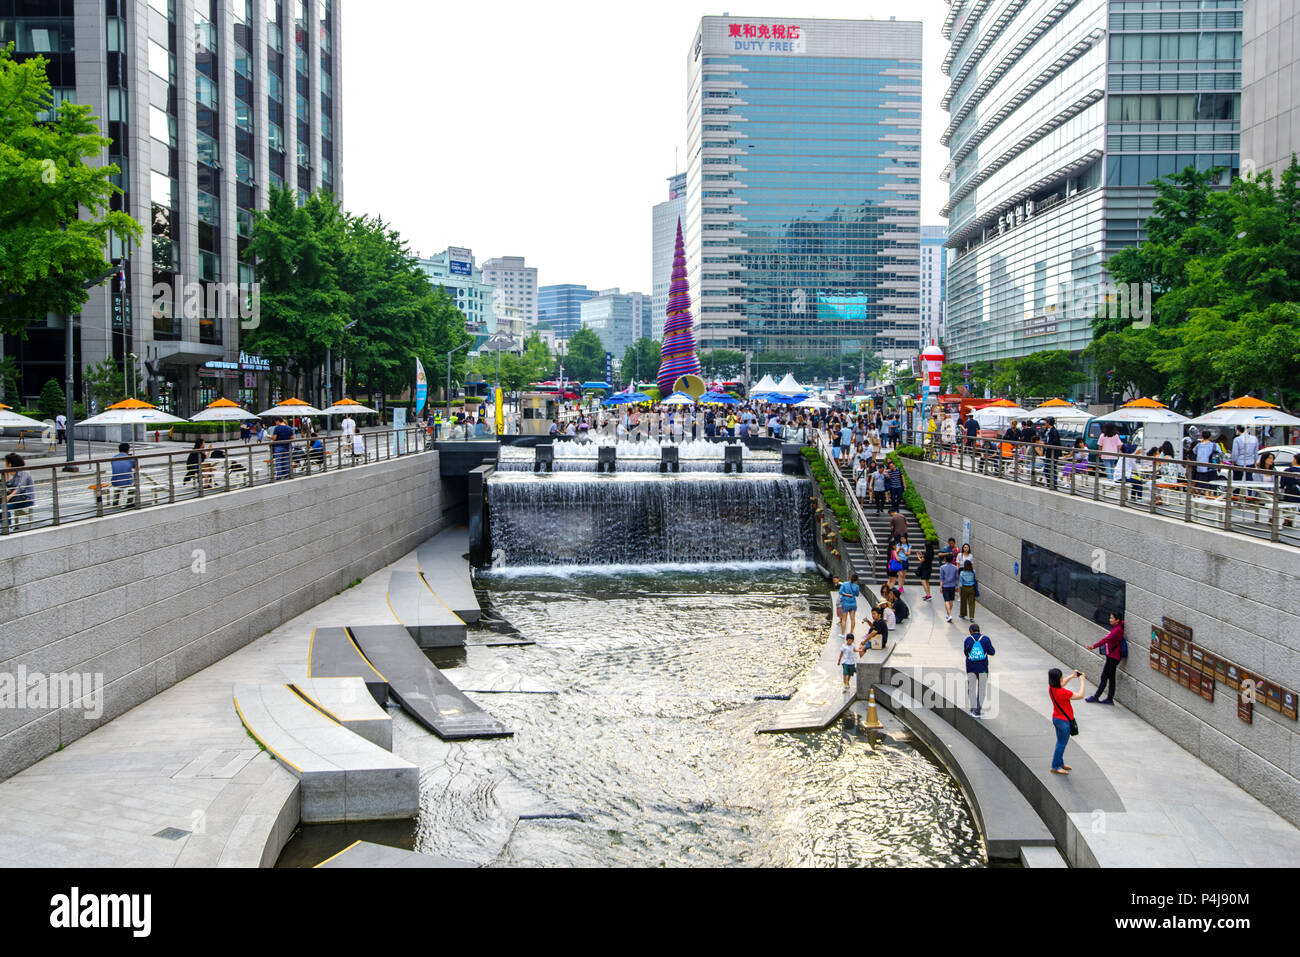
(463, 345)
(68, 370)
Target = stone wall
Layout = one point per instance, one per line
(1239, 595)
(144, 599)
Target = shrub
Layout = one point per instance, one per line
(52, 400)
(911, 451)
(911, 498)
(831, 494)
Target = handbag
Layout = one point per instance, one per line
(1074, 727)
(977, 587)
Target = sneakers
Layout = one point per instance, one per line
(1107, 701)
(950, 618)
(925, 598)
(1092, 698)
(976, 714)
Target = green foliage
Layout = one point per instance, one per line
(54, 208)
(722, 364)
(106, 383)
(8, 374)
(52, 400)
(831, 494)
(1224, 266)
(641, 361)
(585, 360)
(911, 452)
(911, 498)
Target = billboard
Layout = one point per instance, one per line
(460, 261)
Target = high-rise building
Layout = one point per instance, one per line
(454, 270)
(934, 275)
(1061, 115)
(1270, 107)
(561, 306)
(804, 184)
(516, 285)
(208, 104)
(664, 226)
(619, 318)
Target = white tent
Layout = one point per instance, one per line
(765, 384)
(788, 386)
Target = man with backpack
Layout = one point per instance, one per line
(977, 649)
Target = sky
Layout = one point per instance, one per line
(548, 130)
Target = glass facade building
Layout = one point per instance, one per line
(664, 227)
(802, 221)
(934, 276)
(619, 318)
(454, 271)
(561, 307)
(1061, 114)
(207, 103)
(1270, 106)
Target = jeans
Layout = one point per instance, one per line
(975, 686)
(895, 497)
(1108, 675)
(1062, 739)
(280, 454)
(879, 499)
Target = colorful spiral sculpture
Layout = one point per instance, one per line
(677, 355)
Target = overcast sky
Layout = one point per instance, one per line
(547, 130)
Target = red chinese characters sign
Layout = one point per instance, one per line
(764, 31)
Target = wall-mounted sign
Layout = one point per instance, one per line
(766, 38)
(1173, 653)
(460, 261)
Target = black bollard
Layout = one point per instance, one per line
(544, 458)
(605, 459)
(668, 460)
(731, 459)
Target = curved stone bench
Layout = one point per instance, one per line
(1006, 820)
(332, 653)
(341, 776)
(442, 562)
(348, 702)
(430, 620)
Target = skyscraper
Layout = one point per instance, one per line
(1061, 115)
(665, 218)
(618, 318)
(1270, 106)
(561, 306)
(208, 104)
(934, 274)
(516, 284)
(803, 184)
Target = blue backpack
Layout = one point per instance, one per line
(977, 649)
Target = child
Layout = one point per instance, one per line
(847, 660)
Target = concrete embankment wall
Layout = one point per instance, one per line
(144, 599)
(1240, 596)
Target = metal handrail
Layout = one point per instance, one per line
(1209, 501)
(846, 489)
(92, 491)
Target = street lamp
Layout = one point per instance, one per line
(463, 345)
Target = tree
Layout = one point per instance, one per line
(106, 382)
(585, 360)
(641, 361)
(1047, 374)
(537, 359)
(52, 400)
(722, 364)
(54, 209)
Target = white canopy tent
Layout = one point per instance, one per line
(765, 384)
(788, 386)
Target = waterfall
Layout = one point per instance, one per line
(570, 518)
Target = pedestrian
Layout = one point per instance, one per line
(124, 467)
(1051, 451)
(862, 489)
(977, 650)
(245, 432)
(895, 485)
(1063, 714)
(1205, 454)
(1109, 444)
(1126, 472)
(348, 425)
(948, 573)
(879, 485)
(20, 494)
(61, 426)
(848, 660)
(282, 439)
(878, 630)
(1245, 448)
(966, 585)
(194, 464)
(1116, 648)
(897, 524)
(926, 568)
(904, 551)
(848, 595)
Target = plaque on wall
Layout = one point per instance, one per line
(1209, 663)
(1207, 687)
(1167, 666)
(1155, 657)
(1197, 657)
(1186, 676)
(1177, 629)
(1175, 648)
(1220, 669)
(1289, 703)
(1232, 677)
(1158, 638)
(1271, 695)
(1245, 710)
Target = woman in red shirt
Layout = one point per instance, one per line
(1062, 714)
(1114, 642)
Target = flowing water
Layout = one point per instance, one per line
(647, 753)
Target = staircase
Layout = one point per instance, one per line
(880, 529)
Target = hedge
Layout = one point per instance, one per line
(911, 498)
(831, 493)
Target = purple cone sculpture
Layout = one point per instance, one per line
(678, 352)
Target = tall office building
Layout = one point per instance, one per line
(208, 103)
(934, 275)
(664, 225)
(1270, 107)
(516, 285)
(561, 306)
(454, 270)
(1061, 115)
(803, 184)
(619, 318)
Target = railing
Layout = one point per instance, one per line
(161, 478)
(1263, 503)
(866, 537)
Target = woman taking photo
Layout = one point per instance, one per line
(1062, 714)
(1114, 645)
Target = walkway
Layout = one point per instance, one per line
(1146, 802)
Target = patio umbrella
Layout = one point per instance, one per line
(13, 420)
(1247, 411)
(1062, 411)
(292, 407)
(349, 406)
(223, 410)
(623, 398)
(131, 412)
(718, 398)
(1000, 411)
(1142, 410)
(811, 404)
(774, 398)
(679, 398)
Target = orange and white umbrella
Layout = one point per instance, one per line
(131, 412)
(1142, 410)
(292, 407)
(223, 410)
(1248, 411)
